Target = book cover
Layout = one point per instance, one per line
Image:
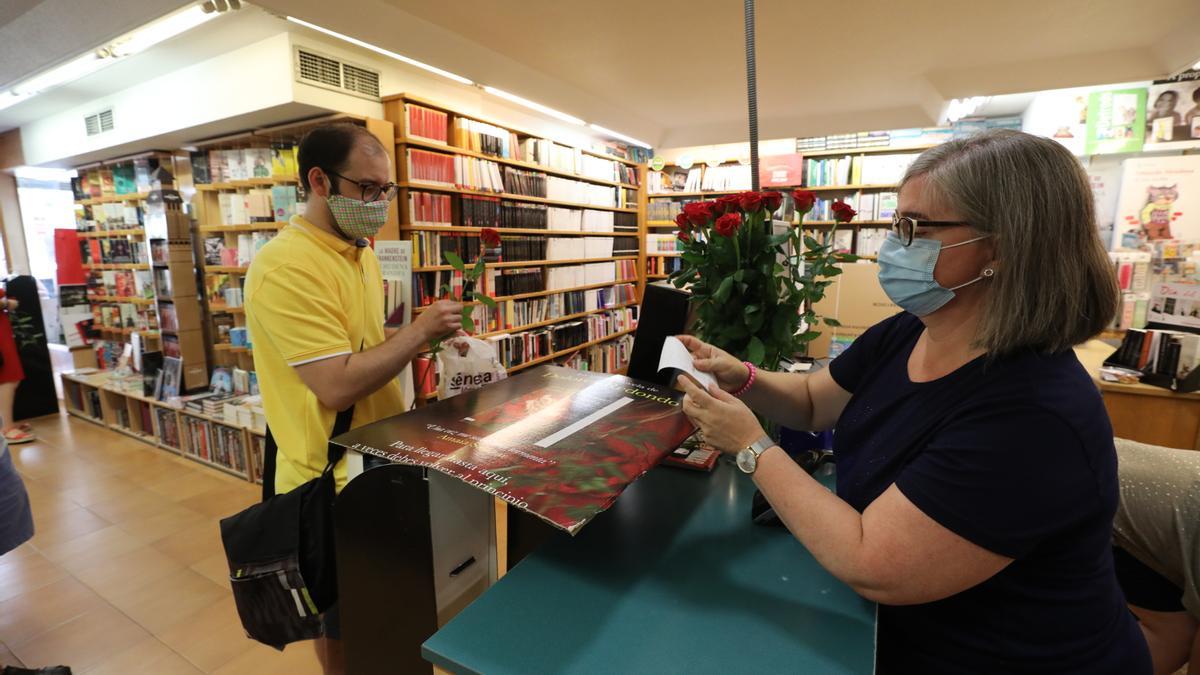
(1159, 200)
(200, 167)
(559, 443)
(1116, 121)
(1173, 113)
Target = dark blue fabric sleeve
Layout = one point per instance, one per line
(1004, 479)
(862, 355)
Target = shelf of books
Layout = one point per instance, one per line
(247, 189)
(221, 430)
(866, 178)
(567, 274)
(110, 216)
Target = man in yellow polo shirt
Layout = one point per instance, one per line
(314, 306)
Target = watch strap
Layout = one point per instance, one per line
(760, 446)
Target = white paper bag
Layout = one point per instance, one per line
(466, 364)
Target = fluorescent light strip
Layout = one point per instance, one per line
(534, 106)
(381, 50)
(619, 136)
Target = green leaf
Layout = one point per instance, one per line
(487, 301)
(810, 243)
(739, 275)
(467, 324)
(808, 336)
(829, 321)
(724, 290)
(478, 271)
(755, 350)
(455, 261)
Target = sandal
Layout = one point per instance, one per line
(17, 436)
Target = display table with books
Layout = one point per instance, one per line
(673, 578)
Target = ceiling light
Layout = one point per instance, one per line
(964, 107)
(620, 136)
(136, 41)
(1196, 66)
(67, 72)
(147, 36)
(534, 106)
(381, 50)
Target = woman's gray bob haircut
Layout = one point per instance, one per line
(1054, 285)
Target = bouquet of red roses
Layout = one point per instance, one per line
(754, 288)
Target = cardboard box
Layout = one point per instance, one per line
(857, 301)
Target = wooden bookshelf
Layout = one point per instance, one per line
(515, 230)
(117, 266)
(630, 199)
(119, 298)
(113, 199)
(109, 234)
(431, 145)
(119, 404)
(570, 350)
(279, 142)
(536, 294)
(531, 263)
(887, 149)
(435, 187)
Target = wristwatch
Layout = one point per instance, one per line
(747, 457)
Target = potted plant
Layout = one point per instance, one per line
(754, 291)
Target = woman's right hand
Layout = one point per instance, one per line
(731, 373)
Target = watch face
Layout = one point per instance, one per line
(747, 461)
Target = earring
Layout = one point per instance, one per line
(988, 273)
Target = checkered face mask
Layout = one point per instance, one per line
(358, 219)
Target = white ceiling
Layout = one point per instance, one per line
(671, 73)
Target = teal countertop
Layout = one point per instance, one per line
(673, 578)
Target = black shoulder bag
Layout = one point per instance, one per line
(282, 562)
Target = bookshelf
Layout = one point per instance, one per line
(247, 188)
(119, 404)
(460, 172)
(866, 178)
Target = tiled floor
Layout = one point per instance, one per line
(126, 574)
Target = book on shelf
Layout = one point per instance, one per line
(502, 438)
(726, 178)
(482, 137)
(426, 123)
(522, 181)
(431, 209)
(283, 160)
(431, 167)
(200, 168)
(781, 170)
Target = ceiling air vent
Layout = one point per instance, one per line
(99, 122)
(360, 80)
(325, 71)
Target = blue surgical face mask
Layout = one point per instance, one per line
(906, 274)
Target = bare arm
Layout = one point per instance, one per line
(812, 402)
(341, 381)
(892, 553)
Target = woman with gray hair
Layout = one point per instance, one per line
(976, 475)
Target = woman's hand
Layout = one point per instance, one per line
(728, 425)
(731, 374)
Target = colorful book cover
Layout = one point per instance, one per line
(1173, 113)
(258, 162)
(1159, 200)
(123, 182)
(1116, 121)
(559, 443)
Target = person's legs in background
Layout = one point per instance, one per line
(13, 433)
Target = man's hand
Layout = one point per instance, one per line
(439, 319)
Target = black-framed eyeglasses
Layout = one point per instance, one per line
(906, 228)
(371, 191)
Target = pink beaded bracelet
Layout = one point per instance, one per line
(749, 381)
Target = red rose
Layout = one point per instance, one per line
(698, 212)
(751, 202)
(682, 221)
(727, 204)
(728, 224)
(490, 237)
(842, 213)
(772, 200)
(804, 200)
(683, 235)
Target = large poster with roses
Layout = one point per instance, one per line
(559, 443)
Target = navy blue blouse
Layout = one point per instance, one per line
(1016, 456)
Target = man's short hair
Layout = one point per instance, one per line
(328, 147)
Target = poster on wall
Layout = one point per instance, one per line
(1060, 115)
(1159, 199)
(1176, 304)
(1116, 121)
(1173, 113)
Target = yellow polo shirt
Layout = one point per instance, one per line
(309, 296)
